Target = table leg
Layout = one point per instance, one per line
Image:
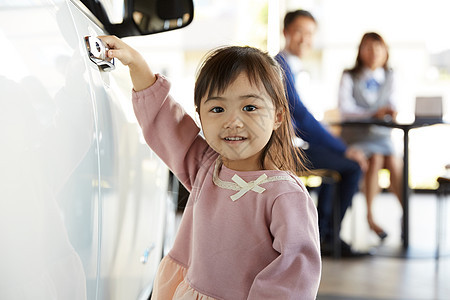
(405, 189)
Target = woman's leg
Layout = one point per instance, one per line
(394, 165)
(371, 189)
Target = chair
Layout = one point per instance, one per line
(329, 177)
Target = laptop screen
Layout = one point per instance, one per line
(429, 109)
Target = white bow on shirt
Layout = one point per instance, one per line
(247, 186)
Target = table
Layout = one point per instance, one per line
(405, 186)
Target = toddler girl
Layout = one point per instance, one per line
(249, 230)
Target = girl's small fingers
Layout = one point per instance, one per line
(120, 55)
(115, 53)
(110, 40)
(117, 48)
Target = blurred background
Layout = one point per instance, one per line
(416, 31)
(418, 35)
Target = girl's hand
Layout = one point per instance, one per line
(141, 75)
(120, 50)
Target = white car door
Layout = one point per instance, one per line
(83, 201)
(49, 158)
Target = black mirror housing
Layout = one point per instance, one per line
(144, 17)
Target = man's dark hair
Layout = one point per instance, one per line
(291, 16)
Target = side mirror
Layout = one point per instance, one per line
(143, 17)
(152, 16)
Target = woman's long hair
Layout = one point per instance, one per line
(222, 66)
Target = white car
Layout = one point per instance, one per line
(85, 205)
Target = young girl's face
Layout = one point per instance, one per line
(239, 122)
(373, 54)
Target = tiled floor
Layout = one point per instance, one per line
(385, 275)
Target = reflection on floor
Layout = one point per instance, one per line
(383, 275)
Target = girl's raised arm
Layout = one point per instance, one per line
(141, 74)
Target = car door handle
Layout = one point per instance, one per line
(97, 53)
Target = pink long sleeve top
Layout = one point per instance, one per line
(243, 235)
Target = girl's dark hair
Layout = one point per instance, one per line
(222, 66)
(359, 64)
(291, 16)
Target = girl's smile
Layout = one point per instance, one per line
(239, 122)
(234, 139)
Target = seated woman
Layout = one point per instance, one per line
(367, 91)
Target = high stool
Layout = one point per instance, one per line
(333, 178)
(442, 192)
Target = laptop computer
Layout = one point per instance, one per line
(428, 110)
